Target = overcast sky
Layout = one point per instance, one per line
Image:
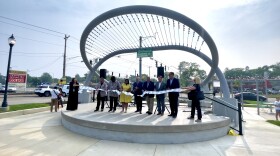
(246, 33)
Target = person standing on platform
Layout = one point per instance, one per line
(173, 83)
(137, 90)
(149, 86)
(160, 86)
(125, 99)
(101, 89)
(195, 101)
(113, 85)
(72, 103)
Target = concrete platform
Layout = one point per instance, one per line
(143, 128)
(42, 134)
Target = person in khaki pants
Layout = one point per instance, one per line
(149, 86)
(54, 99)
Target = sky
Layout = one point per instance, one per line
(246, 33)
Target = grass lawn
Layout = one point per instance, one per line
(273, 95)
(27, 106)
(248, 103)
(274, 122)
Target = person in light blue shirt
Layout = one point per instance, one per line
(277, 107)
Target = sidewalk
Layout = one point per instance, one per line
(43, 134)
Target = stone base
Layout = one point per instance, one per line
(4, 109)
(143, 128)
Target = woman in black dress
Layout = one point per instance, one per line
(72, 103)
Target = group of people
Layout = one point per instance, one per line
(137, 90)
(56, 99)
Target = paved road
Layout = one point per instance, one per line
(24, 98)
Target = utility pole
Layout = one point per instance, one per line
(149, 71)
(64, 56)
(140, 58)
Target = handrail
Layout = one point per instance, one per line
(236, 109)
(239, 114)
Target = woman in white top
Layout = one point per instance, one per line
(277, 107)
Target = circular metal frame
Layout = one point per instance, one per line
(155, 11)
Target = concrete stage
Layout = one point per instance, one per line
(143, 128)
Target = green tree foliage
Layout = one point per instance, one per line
(46, 78)
(247, 73)
(2, 79)
(188, 70)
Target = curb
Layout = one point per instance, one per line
(23, 112)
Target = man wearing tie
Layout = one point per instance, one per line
(160, 86)
(149, 86)
(173, 83)
(137, 90)
(101, 94)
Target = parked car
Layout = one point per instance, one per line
(255, 91)
(249, 96)
(272, 91)
(43, 90)
(9, 89)
(65, 90)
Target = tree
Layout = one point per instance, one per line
(187, 70)
(79, 78)
(2, 79)
(46, 78)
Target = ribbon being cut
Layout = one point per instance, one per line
(145, 92)
(161, 92)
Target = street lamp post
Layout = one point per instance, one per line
(11, 41)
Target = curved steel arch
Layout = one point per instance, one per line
(193, 51)
(155, 11)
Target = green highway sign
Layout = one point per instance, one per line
(144, 53)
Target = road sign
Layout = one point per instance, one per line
(144, 53)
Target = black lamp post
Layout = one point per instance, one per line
(11, 41)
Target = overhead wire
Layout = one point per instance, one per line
(32, 25)
(47, 65)
(31, 29)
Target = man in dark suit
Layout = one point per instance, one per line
(160, 86)
(137, 90)
(173, 83)
(149, 86)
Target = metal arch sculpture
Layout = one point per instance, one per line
(114, 28)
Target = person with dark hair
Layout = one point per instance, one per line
(173, 83)
(72, 103)
(113, 86)
(60, 98)
(54, 99)
(160, 86)
(149, 86)
(101, 89)
(137, 90)
(125, 99)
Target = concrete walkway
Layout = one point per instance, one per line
(43, 134)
